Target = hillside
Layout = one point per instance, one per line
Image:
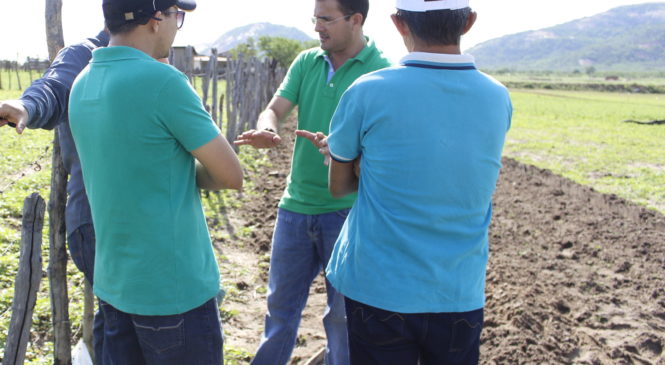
(240, 35)
(627, 38)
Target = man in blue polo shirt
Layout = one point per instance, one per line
(412, 255)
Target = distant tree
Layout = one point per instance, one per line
(284, 50)
(247, 49)
(590, 70)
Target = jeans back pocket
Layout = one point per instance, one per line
(160, 333)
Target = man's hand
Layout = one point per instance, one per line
(319, 140)
(13, 113)
(258, 139)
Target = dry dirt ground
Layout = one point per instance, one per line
(575, 276)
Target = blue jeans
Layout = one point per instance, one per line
(192, 338)
(81, 244)
(381, 337)
(301, 248)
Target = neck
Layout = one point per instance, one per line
(134, 40)
(446, 49)
(414, 44)
(340, 57)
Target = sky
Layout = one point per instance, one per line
(23, 31)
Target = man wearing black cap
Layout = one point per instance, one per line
(146, 146)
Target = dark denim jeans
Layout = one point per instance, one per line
(382, 337)
(301, 248)
(82, 251)
(192, 338)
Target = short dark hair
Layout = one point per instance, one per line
(116, 27)
(436, 27)
(350, 7)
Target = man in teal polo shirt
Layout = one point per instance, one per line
(412, 255)
(309, 219)
(146, 145)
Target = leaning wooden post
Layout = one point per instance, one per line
(18, 76)
(27, 280)
(213, 108)
(57, 269)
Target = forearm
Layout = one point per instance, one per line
(217, 166)
(268, 120)
(204, 180)
(342, 179)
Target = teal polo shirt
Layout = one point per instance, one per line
(307, 85)
(135, 122)
(430, 133)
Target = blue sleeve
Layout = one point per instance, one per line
(47, 98)
(182, 113)
(344, 140)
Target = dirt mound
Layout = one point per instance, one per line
(575, 276)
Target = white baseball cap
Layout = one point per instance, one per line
(427, 5)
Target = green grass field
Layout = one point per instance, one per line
(580, 135)
(583, 136)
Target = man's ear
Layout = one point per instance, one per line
(470, 21)
(402, 28)
(357, 19)
(155, 20)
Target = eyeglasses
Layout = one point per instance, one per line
(322, 20)
(179, 14)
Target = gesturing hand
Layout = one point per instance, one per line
(319, 140)
(258, 139)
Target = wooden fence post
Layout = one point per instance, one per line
(27, 280)
(88, 318)
(213, 108)
(57, 269)
(18, 77)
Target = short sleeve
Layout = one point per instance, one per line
(346, 128)
(290, 86)
(182, 112)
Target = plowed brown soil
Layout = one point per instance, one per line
(575, 276)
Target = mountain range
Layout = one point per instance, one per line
(627, 38)
(240, 35)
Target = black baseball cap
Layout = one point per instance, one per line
(126, 11)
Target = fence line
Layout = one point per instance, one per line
(250, 84)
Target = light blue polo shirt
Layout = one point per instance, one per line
(430, 133)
